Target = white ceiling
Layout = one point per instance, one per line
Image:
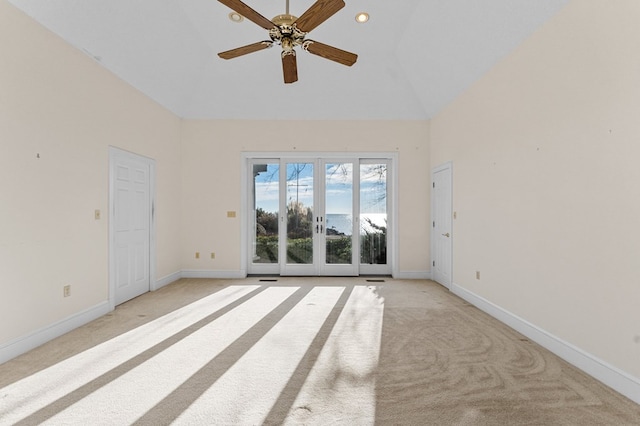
(414, 56)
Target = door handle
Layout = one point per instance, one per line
(446, 235)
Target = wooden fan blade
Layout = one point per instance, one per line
(248, 13)
(250, 48)
(319, 12)
(290, 68)
(329, 52)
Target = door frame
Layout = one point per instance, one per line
(442, 167)
(114, 155)
(392, 183)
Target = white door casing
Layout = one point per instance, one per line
(441, 224)
(131, 230)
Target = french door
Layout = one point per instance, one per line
(318, 216)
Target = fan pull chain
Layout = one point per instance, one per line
(287, 7)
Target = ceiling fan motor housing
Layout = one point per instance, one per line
(286, 33)
(284, 19)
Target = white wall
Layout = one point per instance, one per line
(57, 103)
(545, 150)
(212, 174)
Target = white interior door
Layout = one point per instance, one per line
(130, 225)
(442, 235)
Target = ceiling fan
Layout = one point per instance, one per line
(289, 32)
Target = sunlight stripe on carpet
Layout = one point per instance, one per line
(28, 395)
(340, 388)
(246, 392)
(128, 397)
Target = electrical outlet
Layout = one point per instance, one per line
(66, 290)
(197, 255)
(231, 214)
(96, 214)
(477, 275)
(213, 255)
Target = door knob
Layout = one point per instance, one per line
(446, 235)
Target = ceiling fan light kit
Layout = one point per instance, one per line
(289, 31)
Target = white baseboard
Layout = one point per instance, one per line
(205, 273)
(167, 280)
(413, 275)
(20, 345)
(240, 274)
(611, 376)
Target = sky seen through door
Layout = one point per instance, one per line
(300, 184)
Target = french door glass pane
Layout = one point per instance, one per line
(267, 195)
(338, 212)
(300, 225)
(373, 213)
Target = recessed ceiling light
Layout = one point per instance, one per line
(362, 17)
(236, 17)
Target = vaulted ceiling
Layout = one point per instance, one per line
(414, 56)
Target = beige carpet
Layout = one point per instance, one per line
(301, 351)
